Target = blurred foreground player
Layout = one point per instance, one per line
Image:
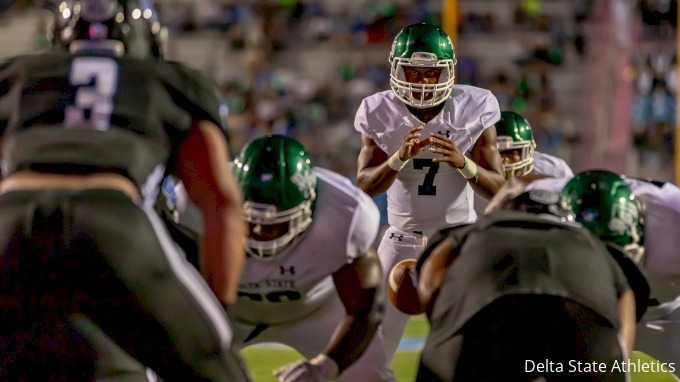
(312, 279)
(548, 290)
(88, 135)
(658, 333)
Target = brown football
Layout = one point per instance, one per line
(402, 287)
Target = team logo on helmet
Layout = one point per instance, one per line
(305, 181)
(624, 216)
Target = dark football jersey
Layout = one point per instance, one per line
(75, 113)
(521, 253)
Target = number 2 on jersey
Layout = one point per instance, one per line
(96, 79)
(428, 187)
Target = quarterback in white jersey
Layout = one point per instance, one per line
(658, 333)
(312, 279)
(517, 148)
(427, 188)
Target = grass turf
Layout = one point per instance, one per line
(262, 361)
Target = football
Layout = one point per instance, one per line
(403, 290)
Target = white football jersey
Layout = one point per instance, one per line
(427, 196)
(291, 286)
(662, 219)
(544, 164)
(549, 165)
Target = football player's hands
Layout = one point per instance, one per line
(450, 153)
(412, 145)
(512, 188)
(320, 369)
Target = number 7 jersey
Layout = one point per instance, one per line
(427, 196)
(99, 113)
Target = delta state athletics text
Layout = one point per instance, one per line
(574, 366)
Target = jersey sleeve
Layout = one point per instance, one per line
(193, 92)
(549, 184)
(361, 121)
(492, 112)
(566, 171)
(364, 227)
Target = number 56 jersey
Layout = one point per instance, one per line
(298, 282)
(99, 113)
(427, 196)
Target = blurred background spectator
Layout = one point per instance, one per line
(653, 73)
(595, 78)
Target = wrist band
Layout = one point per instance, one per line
(396, 163)
(470, 170)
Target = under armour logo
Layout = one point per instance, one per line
(398, 237)
(445, 133)
(284, 270)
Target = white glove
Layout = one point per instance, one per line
(319, 369)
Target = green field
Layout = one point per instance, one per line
(262, 361)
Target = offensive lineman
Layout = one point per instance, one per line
(427, 189)
(312, 279)
(517, 148)
(87, 136)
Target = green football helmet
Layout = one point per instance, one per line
(605, 204)
(514, 133)
(422, 45)
(279, 186)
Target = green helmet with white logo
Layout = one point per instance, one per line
(422, 45)
(279, 185)
(514, 133)
(605, 204)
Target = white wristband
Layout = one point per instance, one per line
(396, 163)
(326, 365)
(470, 169)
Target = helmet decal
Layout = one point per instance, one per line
(304, 181)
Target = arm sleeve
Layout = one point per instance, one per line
(548, 184)
(364, 227)
(492, 112)
(361, 121)
(566, 170)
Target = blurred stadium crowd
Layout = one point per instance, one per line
(301, 68)
(653, 69)
(276, 94)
